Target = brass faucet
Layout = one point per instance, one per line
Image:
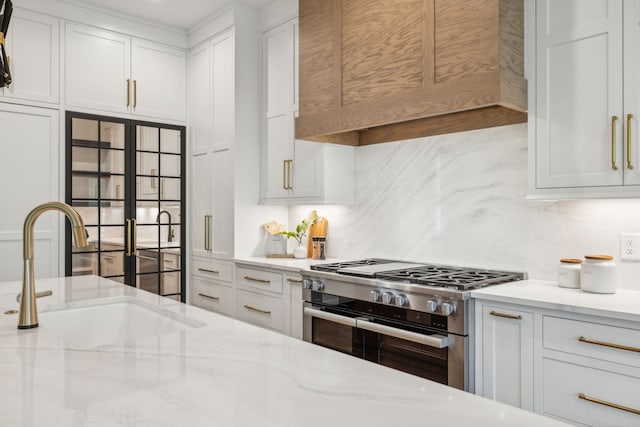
(28, 311)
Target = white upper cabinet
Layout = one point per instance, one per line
(159, 78)
(295, 171)
(33, 46)
(583, 119)
(98, 69)
(111, 72)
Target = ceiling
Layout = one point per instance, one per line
(182, 14)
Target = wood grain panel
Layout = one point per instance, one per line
(318, 59)
(513, 86)
(447, 123)
(466, 38)
(476, 91)
(383, 47)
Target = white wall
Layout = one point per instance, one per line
(460, 199)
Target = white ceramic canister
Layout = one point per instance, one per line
(569, 273)
(599, 274)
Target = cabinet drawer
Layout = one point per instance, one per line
(576, 337)
(212, 296)
(563, 383)
(213, 269)
(261, 310)
(170, 261)
(259, 279)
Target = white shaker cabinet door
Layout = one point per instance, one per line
(579, 94)
(200, 98)
(507, 356)
(631, 162)
(97, 69)
(30, 171)
(159, 80)
(201, 207)
(33, 45)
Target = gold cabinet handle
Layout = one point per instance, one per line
(289, 174)
(204, 270)
(248, 307)
(294, 280)
(135, 93)
(614, 166)
(609, 404)
(207, 232)
(128, 222)
(128, 92)
(608, 344)
(506, 316)
(253, 279)
(209, 297)
(284, 174)
(134, 226)
(629, 162)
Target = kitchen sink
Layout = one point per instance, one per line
(113, 323)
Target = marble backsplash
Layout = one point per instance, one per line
(460, 199)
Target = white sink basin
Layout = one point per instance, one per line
(112, 323)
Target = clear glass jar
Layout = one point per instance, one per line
(569, 271)
(599, 274)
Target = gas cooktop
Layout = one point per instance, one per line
(433, 275)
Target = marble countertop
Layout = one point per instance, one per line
(624, 304)
(286, 264)
(226, 373)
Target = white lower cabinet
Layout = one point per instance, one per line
(212, 295)
(577, 368)
(506, 363)
(267, 297)
(296, 308)
(261, 310)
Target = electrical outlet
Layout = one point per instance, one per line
(630, 246)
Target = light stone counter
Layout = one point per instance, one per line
(623, 305)
(286, 264)
(226, 373)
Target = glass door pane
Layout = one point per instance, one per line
(159, 187)
(96, 188)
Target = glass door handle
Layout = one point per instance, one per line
(128, 225)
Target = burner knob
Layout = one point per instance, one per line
(376, 296)
(401, 300)
(317, 285)
(432, 306)
(307, 283)
(448, 308)
(387, 297)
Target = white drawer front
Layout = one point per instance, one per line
(218, 270)
(565, 335)
(259, 279)
(261, 310)
(212, 296)
(563, 383)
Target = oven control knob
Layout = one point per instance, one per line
(448, 308)
(376, 296)
(432, 306)
(401, 300)
(317, 285)
(387, 297)
(306, 283)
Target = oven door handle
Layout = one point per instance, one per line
(336, 318)
(437, 341)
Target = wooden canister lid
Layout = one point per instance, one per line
(599, 257)
(571, 261)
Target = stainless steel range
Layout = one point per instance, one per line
(409, 316)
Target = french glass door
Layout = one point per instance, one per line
(125, 178)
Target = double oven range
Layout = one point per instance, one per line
(409, 316)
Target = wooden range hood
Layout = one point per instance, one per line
(374, 71)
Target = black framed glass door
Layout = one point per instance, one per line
(125, 178)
